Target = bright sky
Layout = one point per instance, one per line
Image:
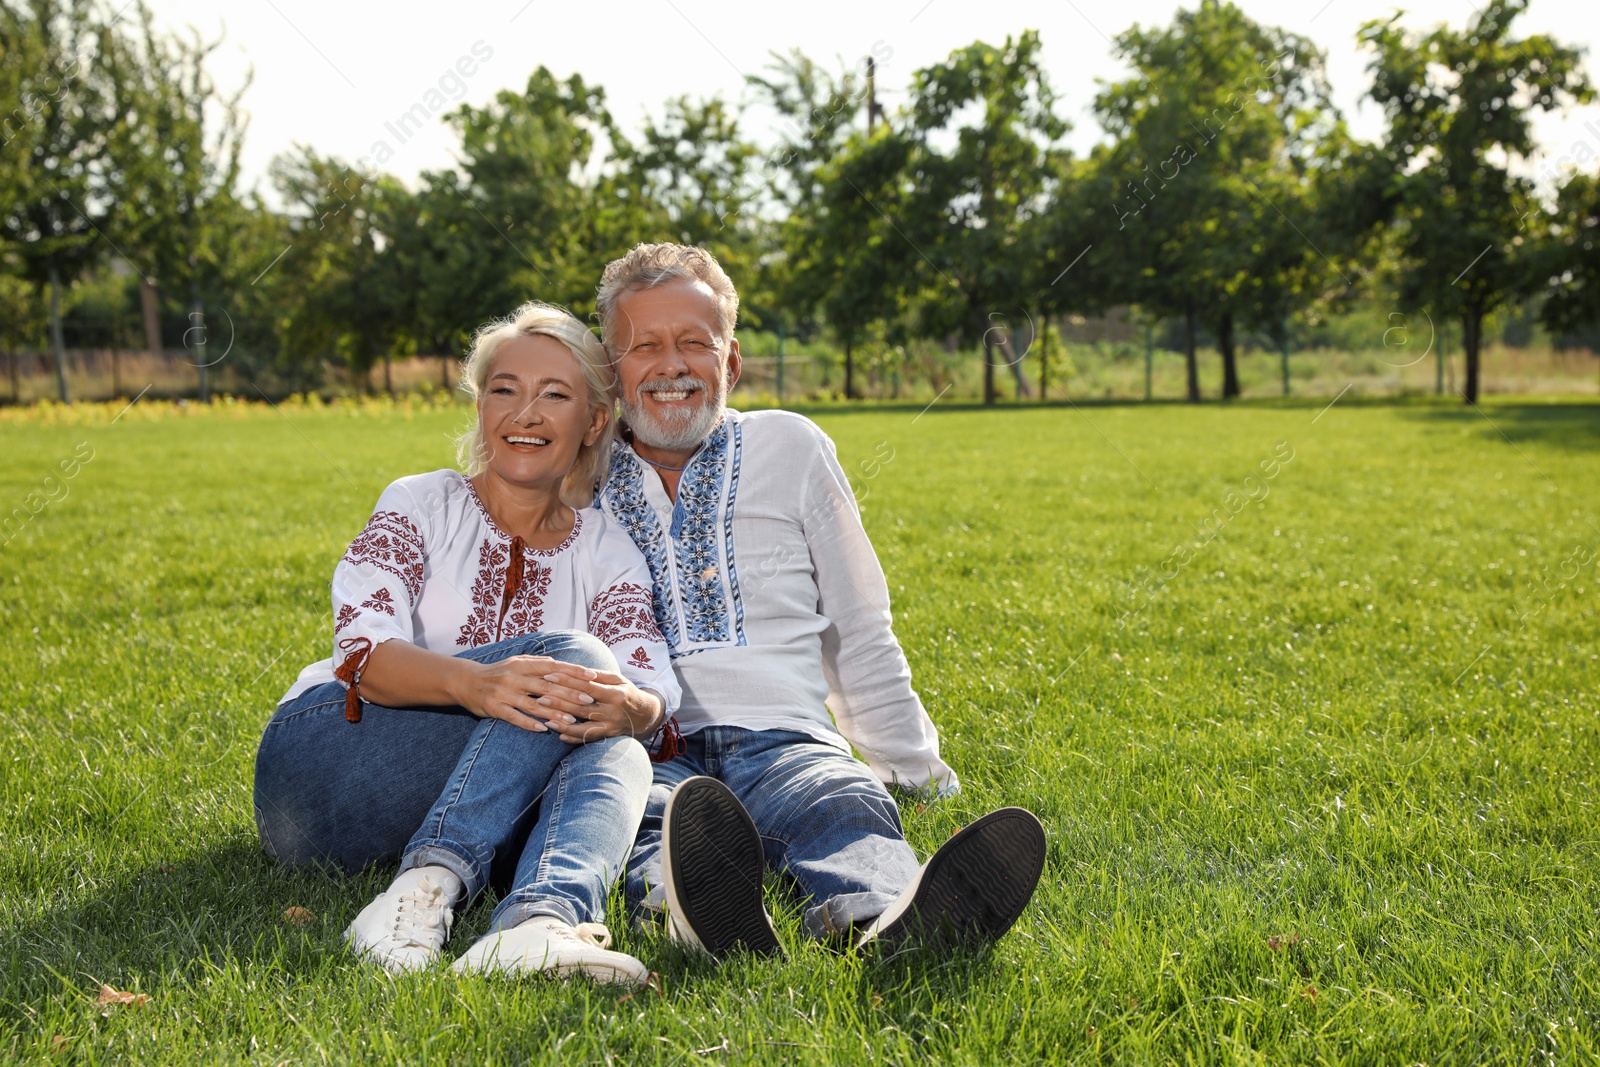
(333, 73)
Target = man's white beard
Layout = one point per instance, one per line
(680, 430)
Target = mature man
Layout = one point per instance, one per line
(776, 611)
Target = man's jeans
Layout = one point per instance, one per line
(825, 820)
(451, 789)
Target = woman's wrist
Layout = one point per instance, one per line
(657, 716)
(460, 682)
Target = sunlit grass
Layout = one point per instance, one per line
(1329, 794)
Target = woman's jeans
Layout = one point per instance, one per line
(444, 787)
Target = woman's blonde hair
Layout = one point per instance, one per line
(535, 319)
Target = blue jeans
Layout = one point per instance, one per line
(448, 788)
(825, 821)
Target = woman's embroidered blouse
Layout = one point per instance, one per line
(432, 568)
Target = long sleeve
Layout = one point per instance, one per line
(622, 615)
(869, 681)
(377, 583)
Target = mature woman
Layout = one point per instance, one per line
(494, 649)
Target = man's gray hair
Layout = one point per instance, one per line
(647, 266)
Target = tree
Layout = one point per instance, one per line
(980, 202)
(1214, 144)
(846, 256)
(520, 195)
(1568, 261)
(1459, 106)
(58, 208)
(173, 182)
(818, 111)
(357, 279)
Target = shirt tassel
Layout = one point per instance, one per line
(513, 583)
(671, 746)
(349, 672)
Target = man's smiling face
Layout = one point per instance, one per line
(674, 364)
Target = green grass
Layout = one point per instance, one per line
(1329, 797)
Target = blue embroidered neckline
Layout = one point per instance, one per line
(697, 602)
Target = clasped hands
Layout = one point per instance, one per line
(577, 703)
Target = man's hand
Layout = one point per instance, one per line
(619, 706)
(520, 691)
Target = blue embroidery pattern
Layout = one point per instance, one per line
(624, 497)
(694, 535)
(703, 551)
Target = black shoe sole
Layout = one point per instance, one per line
(715, 861)
(976, 885)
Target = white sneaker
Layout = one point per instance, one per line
(545, 945)
(403, 930)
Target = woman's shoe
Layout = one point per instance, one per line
(403, 929)
(545, 945)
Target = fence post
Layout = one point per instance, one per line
(1285, 357)
(1149, 358)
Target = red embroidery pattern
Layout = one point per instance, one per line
(347, 612)
(640, 659)
(623, 612)
(390, 542)
(525, 614)
(381, 600)
(527, 610)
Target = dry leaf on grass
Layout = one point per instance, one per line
(298, 915)
(110, 999)
(654, 981)
(59, 1043)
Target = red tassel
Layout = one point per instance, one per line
(513, 583)
(671, 742)
(349, 672)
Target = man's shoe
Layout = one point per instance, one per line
(711, 867)
(403, 930)
(545, 945)
(972, 889)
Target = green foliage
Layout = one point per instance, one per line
(1459, 105)
(1228, 194)
(1569, 262)
(1215, 165)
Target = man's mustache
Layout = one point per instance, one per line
(686, 385)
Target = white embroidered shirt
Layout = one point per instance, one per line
(771, 596)
(431, 567)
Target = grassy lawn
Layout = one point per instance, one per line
(1316, 752)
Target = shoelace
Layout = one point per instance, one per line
(420, 919)
(584, 934)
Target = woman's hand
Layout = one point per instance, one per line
(619, 706)
(525, 691)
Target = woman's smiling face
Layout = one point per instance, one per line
(535, 412)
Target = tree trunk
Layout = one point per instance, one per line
(1044, 362)
(1230, 363)
(16, 386)
(988, 372)
(444, 372)
(388, 377)
(197, 315)
(152, 317)
(56, 339)
(1014, 363)
(849, 371)
(1471, 338)
(1192, 371)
